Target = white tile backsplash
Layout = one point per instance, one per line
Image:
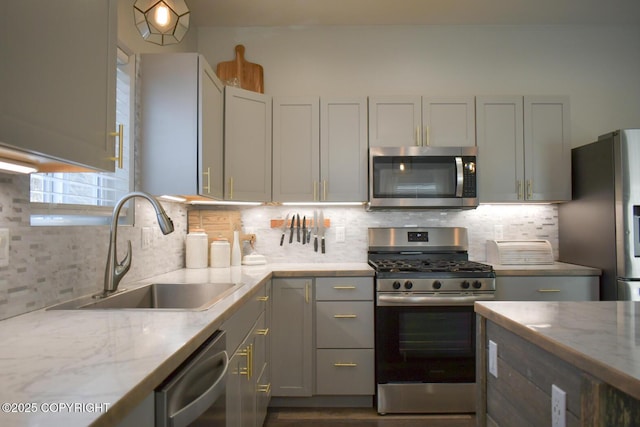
(52, 264)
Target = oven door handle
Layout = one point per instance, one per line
(431, 300)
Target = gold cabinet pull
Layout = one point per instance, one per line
(306, 292)
(120, 135)
(345, 365)
(263, 299)
(427, 137)
(264, 388)
(344, 288)
(418, 135)
(262, 331)
(543, 291)
(529, 189)
(324, 190)
(230, 187)
(248, 353)
(345, 316)
(207, 188)
(519, 189)
(315, 191)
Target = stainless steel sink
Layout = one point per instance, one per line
(169, 296)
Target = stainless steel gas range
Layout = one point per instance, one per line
(425, 323)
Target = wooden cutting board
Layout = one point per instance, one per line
(249, 75)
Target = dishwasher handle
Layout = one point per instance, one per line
(184, 416)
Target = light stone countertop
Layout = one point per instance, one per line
(555, 269)
(115, 358)
(599, 337)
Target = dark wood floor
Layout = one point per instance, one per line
(359, 417)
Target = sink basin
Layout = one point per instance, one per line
(170, 296)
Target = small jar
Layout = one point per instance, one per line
(220, 253)
(196, 249)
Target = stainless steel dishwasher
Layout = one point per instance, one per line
(194, 394)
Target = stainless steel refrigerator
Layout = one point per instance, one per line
(600, 227)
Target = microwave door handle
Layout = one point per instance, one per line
(184, 416)
(459, 176)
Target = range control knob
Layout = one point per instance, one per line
(477, 284)
(465, 284)
(437, 284)
(396, 285)
(408, 284)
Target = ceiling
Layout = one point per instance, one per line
(246, 13)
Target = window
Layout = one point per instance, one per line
(88, 198)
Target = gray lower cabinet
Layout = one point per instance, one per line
(344, 336)
(248, 340)
(323, 338)
(548, 288)
(292, 337)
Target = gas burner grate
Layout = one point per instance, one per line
(429, 266)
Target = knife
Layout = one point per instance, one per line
(291, 235)
(304, 229)
(321, 225)
(284, 229)
(315, 230)
(298, 227)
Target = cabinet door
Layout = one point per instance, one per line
(211, 132)
(58, 79)
(500, 149)
(296, 149)
(547, 148)
(449, 121)
(343, 150)
(247, 146)
(291, 337)
(395, 121)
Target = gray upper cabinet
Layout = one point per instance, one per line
(400, 121)
(319, 149)
(58, 79)
(524, 148)
(247, 154)
(181, 125)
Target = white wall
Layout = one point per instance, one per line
(597, 66)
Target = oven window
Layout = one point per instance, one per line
(414, 177)
(425, 344)
(428, 335)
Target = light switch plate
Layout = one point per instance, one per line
(4, 247)
(340, 234)
(493, 358)
(147, 237)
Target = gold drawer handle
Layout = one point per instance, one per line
(344, 287)
(248, 353)
(263, 299)
(345, 365)
(345, 316)
(264, 388)
(548, 290)
(262, 331)
(120, 135)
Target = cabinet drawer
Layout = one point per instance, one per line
(344, 288)
(345, 372)
(240, 323)
(344, 324)
(548, 288)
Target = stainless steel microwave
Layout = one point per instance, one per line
(423, 177)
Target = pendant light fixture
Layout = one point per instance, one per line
(161, 22)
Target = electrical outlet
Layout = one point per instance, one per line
(147, 237)
(4, 247)
(493, 358)
(558, 407)
(498, 232)
(340, 234)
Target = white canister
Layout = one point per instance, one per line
(220, 253)
(197, 249)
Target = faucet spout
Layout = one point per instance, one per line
(114, 270)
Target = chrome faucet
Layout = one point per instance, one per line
(115, 271)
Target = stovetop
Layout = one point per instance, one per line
(429, 266)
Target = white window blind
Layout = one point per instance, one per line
(76, 196)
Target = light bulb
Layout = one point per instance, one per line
(162, 15)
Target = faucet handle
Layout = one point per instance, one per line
(123, 266)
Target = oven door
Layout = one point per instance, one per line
(422, 177)
(425, 343)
